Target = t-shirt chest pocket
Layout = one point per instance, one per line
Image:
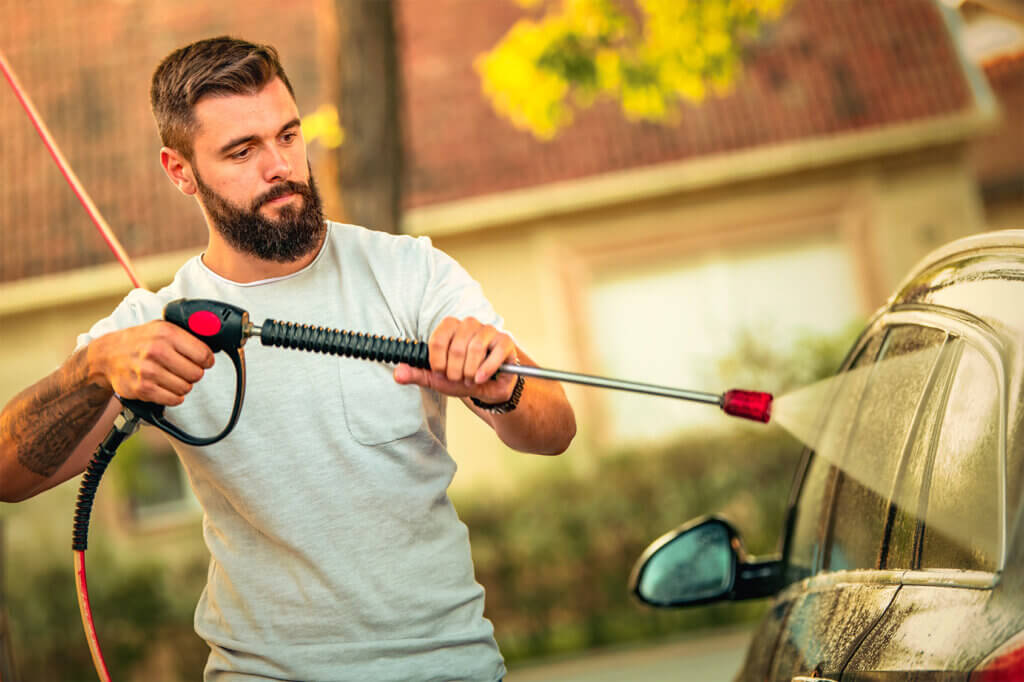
(377, 409)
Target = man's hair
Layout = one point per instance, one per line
(215, 66)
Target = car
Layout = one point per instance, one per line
(902, 552)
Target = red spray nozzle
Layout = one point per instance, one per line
(748, 404)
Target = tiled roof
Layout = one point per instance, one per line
(86, 66)
(829, 67)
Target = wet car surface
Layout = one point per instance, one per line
(902, 556)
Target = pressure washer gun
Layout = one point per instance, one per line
(224, 327)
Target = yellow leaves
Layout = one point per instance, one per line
(529, 74)
(597, 19)
(769, 9)
(717, 42)
(323, 127)
(643, 103)
(584, 48)
(684, 81)
(530, 96)
(609, 70)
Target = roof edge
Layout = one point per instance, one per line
(981, 91)
(85, 284)
(533, 203)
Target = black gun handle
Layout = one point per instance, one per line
(221, 326)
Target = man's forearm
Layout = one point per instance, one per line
(42, 425)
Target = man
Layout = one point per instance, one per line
(335, 551)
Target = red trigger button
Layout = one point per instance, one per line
(204, 323)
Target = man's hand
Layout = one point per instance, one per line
(157, 362)
(464, 356)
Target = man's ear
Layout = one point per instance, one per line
(178, 169)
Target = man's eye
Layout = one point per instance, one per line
(289, 137)
(242, 153)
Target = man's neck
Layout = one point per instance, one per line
(236, 266)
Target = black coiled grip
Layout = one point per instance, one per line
(348, 344)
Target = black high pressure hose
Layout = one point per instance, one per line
(123, 428)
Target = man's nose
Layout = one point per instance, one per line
(277, 167)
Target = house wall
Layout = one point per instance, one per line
(882, 215)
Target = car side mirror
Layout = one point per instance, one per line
(702, 561)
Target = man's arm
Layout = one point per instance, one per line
(42, 427)
(49, 431)
(464, 357)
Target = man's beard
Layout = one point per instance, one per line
(295, 233)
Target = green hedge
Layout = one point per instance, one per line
(143, 615)
(554, 558)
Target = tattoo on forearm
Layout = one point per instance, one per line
(49, 419)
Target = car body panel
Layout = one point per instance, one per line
(759, 658)
(824, 627)
(927, 634)
(943, 629)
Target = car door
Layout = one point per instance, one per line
(834, 546)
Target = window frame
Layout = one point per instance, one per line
(939, 378)
(158, 517)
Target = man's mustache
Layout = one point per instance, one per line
(278, 191)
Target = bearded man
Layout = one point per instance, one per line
(335, 552)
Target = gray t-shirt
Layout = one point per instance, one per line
(336, 553)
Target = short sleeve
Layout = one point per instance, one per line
(138, 307)
(451, 292)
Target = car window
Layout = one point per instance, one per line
(963, 518)
(808, 529)
(901, 544)
(873, 434)
(805, 546)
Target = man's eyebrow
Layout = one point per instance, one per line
(252, 138)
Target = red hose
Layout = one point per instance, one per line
(69, 175)
(87, 624)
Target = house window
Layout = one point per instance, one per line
(673, 322)
(152, 483)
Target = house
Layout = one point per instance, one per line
(792, 205)
(993, 38)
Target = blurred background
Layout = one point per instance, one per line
(707, 194)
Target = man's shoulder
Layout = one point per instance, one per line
(343, 233)
(190, 272)
(148, 301)
(379, 249)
